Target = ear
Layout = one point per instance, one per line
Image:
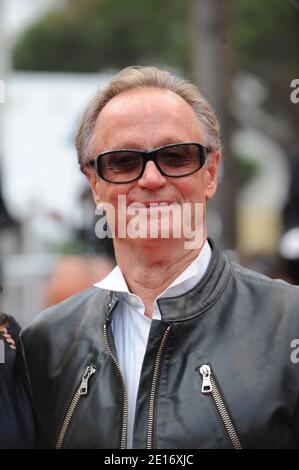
(94, 184)
(211, 173)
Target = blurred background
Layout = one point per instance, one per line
(54, 54)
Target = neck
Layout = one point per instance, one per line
(149, 267)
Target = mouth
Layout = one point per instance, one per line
(153, 203)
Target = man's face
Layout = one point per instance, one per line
(145, 119)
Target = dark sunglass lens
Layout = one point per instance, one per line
(121, 166)
(179, 160)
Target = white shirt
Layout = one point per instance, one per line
(131, 327)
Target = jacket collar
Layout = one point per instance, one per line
(203, 296)
(197, 300)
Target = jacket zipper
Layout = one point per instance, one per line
(80, 392)
(125, 394)
(154, 389)
(209, 386)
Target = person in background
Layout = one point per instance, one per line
(17, 428)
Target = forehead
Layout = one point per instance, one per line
(149, 115)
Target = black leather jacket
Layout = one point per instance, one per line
(218, 371)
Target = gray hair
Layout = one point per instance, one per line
(140, 77)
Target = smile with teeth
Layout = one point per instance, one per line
(154, 219)
(153, 204)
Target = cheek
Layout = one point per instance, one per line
(112, 193)
(100, 189)
(106, 192)
(192, 190)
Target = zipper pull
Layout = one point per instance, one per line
(205, 371)
(90, 370)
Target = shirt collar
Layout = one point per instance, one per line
(191, 276)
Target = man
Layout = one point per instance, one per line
(176, 347)
(16, 418)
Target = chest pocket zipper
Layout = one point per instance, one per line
(80, 392)
(211, 388)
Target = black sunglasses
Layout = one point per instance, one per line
(127, 165)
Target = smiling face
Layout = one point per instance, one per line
(144, 119)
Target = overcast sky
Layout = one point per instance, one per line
(17, 14)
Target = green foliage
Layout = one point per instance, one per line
(266, 38)
(248, 168)
(92, 35)
(96, 35)
(74, 246)
(266, 35)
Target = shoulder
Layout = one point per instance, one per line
(253, 277)
(274, 294)
(72, 325)
(68, 314)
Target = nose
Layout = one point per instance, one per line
(151, 178)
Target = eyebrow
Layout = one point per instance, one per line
(130, 145)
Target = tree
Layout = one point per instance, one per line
(92, 35)
(266, 35)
